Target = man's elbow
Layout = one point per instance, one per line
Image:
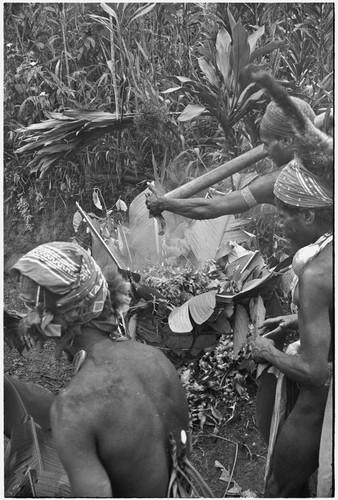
(318, 376)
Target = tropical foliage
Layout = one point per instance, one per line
(100, 98)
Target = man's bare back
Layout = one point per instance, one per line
(113, 421)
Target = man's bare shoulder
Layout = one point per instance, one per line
(318, 273)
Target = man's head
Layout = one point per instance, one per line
(64, 289)
(305, 204)
(277, 130)
(287, 128)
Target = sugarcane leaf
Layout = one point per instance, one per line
(67, 134)
(110, 11)
(142, 11)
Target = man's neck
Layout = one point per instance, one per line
(86, 339)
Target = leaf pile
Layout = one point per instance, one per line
(217, 377)
(177, 283)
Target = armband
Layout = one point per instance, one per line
(249, 197)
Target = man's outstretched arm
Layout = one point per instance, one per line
(259, 191)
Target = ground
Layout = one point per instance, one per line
(237, 453)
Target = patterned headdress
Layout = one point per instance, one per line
(298, 187)
(63, 285)
(276, 121)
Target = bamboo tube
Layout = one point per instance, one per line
(218, 174)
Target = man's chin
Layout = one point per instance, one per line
(295, 246)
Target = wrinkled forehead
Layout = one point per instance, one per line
(267, 138)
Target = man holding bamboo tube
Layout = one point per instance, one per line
(281, 141)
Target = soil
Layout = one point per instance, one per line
(232, 462)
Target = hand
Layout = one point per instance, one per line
(153, 201)
(258, 346)
(280, 324)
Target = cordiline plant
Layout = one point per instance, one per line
(222, 87)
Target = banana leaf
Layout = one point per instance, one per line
(199, 308)
(25, 398)
(32, 466)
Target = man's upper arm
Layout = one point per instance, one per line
(315, 296)
(262, 188)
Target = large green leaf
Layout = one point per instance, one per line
(190, 112)
(231, 20)
(240, 51)
(254, 37)
(207, 237)
(223, 49)
(267, 49)
(199, 308)
(209, 71)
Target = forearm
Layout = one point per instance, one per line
(201, 208)
(295, 367)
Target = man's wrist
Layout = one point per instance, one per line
(163, 204)
(268, 352)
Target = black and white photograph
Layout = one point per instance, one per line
(168, 264)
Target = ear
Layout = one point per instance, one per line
(286, 142)
(308, 215)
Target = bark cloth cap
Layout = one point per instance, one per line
(276, 121)
(298, 187)
(69, 279)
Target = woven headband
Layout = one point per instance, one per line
(276, 122)
(298, 187)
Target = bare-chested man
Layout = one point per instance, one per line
(121, 425)
(305, 205)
